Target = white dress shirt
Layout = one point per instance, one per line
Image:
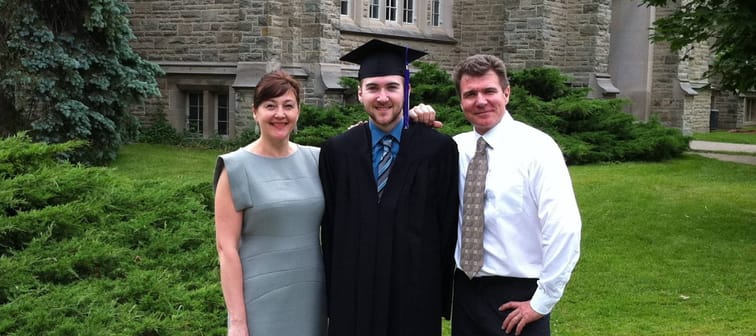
(532, 221)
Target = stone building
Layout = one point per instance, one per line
(213, 52)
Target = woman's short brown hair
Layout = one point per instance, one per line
(275, 84)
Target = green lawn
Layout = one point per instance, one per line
(668, 248)
(144, 161)
(746, 135)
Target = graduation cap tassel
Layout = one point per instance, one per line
(406, 87)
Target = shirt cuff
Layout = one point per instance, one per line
(541, 302)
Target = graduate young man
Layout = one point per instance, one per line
(391, 199)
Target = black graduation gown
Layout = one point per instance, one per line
(389, 265)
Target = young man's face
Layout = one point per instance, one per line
(484, 101)
(382, 98)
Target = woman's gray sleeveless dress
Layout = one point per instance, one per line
(282, 201)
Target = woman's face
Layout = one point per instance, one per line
(278, 116)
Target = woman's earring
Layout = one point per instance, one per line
(257, 128)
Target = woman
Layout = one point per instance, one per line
(268, 206)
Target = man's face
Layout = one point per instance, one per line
(484, 101)
(382, 98)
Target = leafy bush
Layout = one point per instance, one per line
(316, 125)
(545, 83)
(587, 130)
(432, 85)
(19, 155)
(86, 252)
(350, 86)
(159, 131)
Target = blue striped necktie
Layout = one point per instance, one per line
(384, 164)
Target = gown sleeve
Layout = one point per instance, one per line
(448, 196)
(326, 225)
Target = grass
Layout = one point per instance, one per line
(746, 135)
(145, 161)
(668, 248)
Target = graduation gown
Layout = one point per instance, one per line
(389, 265)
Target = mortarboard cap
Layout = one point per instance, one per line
(379, 58)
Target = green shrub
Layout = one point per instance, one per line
(19, 155)
(587, 130)
(316, 125)
(432, 85)
(545, 83)
(159, 131)
(533, 111)
(87, 252)
(453, 119)
(350, 86)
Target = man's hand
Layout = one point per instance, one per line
(425, 114)
(521, 314)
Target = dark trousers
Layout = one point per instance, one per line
(476, 305)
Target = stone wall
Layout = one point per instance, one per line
(697, 108)
(243, 101)
(730, 108)
(555, 32)
(570, 35)
(211, 44)
(479, 28)
(681, 95)
(587, 50)
(210, 40)
(697, 113)
(667, 99)
(199, 31)
(197, 34)
(727, 105)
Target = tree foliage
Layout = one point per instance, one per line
(67, 72)
(731, 27)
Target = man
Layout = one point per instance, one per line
(528, 223)
(391, 198)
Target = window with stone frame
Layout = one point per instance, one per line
(408, 11)
(207, 106)
(222, 111)
(436, 13)
(195, 113)
(375, 9)
(422, 14)
(750, 110)
(390, 10)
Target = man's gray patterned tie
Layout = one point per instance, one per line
(384, 165)
(472, 220)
